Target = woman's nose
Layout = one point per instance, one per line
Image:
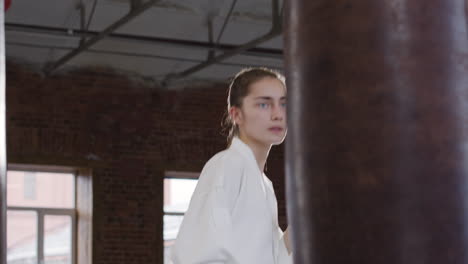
(277, 113)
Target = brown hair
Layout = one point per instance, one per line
(238, 89)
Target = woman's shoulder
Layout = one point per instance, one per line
(224, 167)
(227, 158)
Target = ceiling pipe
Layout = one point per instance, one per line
(134, 12)
(139, 54)
(77, 33)
(275, 31)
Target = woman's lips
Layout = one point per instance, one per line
(276, 129)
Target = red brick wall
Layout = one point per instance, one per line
(128, 133)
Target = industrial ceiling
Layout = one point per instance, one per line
(165, 40)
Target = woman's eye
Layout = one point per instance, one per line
(263, 105)
(283, 105)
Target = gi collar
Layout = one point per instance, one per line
(245, 150)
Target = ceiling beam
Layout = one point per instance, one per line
(276, 30)
(134, 12)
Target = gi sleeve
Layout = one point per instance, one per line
(205, 234)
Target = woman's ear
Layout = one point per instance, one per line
(236, 115)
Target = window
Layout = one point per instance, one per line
(178, 190)
(41, 217)
(29, 188)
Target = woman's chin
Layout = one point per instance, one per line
(277, 139)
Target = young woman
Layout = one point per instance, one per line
(232, 217)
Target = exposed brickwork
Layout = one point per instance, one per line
(128, 133)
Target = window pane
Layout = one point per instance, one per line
(40, 189)
(29, 185)
(171, 228)
(21, 237)
(57, 239)
(177, 194)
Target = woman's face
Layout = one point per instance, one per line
(262, 117)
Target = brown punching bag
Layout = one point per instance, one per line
(377, 147)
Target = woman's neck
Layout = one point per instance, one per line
(259, 150)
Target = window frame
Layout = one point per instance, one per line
(41, 212)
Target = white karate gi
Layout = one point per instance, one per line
(233, 214)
